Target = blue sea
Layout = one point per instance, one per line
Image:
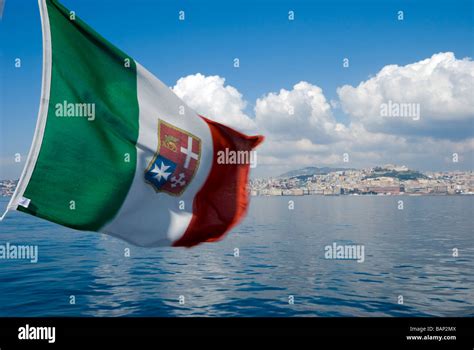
(408, 253)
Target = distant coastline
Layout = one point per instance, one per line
(7, 187)
(381, 180)
(387, 180)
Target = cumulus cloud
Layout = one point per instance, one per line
(210, 97)
(364, 149)
(442, 86)
(301, 129)
(302, 112)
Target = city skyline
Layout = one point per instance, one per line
(388, 179)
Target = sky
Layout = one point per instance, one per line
(291, 84)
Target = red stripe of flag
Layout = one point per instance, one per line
(223, 199)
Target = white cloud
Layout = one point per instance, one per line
(365, 149)
(301, 130)
(210, 97)
(302, 112)
(442, 86)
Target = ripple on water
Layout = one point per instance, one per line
(281, 254)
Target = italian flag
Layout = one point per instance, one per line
(116, 151)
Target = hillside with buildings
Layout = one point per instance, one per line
(387, 180)
(382, 180)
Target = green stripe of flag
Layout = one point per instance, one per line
(82, 176)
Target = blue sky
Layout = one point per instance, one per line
(274, 53)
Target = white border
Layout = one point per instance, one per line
(42, 113)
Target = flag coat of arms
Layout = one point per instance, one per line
(116, 151)
(173, 166)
